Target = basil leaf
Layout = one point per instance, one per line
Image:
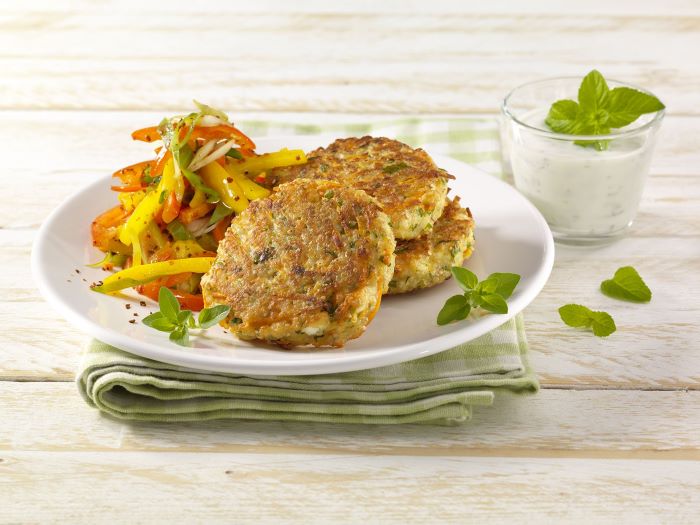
(494, 303)
(456, 307)
(467, 279)
(169, 306)
(506, 283)
(211, 316)
(184, 316)
(158, 322)
(627, 285)
(180, 336)
(487, 286)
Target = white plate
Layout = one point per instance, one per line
(511, 236)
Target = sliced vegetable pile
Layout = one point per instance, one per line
(173, 210)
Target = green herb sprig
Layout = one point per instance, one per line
(489, 294)
(626, 285)
(580, 316)
(178, 322)
(599, 109)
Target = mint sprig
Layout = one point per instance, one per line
(599, 110)
(489, 294)
(170, 318)
(579, 316)
(627, 285)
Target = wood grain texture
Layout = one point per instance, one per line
(322, 58)
(609, 424)
(89, 487)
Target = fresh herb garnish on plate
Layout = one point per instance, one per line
(627, 285)
(599, 110)
(177, 322)
(579, 316)
(489, 294)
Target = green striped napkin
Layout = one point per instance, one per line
(439, 389)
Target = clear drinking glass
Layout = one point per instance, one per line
(587, 196)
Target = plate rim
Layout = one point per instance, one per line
(227, 364)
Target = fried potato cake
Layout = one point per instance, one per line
(305, 266)
(425, 262)
(406, 182)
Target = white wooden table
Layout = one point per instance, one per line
(613, 437)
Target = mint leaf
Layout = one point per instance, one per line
(579, 316)
(506, 283)
(599, 110)
(626, 105)
(593, 92)
(602, 323)
(455, 308)
(168, 304)
(180, 336)
(627, 285)
(494, 303)
(575, 315)
(466, 278)
(562, 117)
(211, 316)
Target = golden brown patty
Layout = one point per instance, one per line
(305, 266)
(425, 262)
(405, 181)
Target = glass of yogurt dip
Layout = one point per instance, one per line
(587, 196)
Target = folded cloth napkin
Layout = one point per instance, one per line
(436, 389)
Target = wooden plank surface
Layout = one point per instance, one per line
(254, 488)
(602, 424)
(323, 58)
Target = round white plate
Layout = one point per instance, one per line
(511, 236)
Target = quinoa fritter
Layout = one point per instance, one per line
(305, 266)
(425, 262)
(406, 182)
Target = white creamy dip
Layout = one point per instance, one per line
(580, 191)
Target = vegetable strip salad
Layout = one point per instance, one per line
(173, 210)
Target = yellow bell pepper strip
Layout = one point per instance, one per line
(137, 275)
(284, 157)
(155, 233)
(198, 198)
(250, 189)
(147, 209)
(228, 189)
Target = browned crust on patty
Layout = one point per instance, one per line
(306, 265)
(405, 181)
(426, 261)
